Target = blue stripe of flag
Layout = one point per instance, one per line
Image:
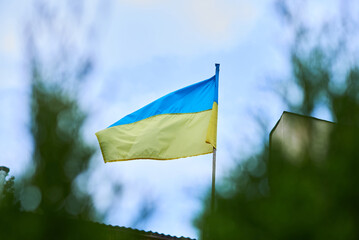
(197, 97)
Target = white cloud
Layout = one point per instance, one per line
(9, 45)
(218, 21)
(142, 30)
(142, 3)
(10, 42)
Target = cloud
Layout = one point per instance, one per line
(142, 30)
(142, 3)
(218, 21)
(9, 44)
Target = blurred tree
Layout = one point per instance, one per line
(269, 197)
(8, 200)
(58, 64)
(60, 154)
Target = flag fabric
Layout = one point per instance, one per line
(180, 124)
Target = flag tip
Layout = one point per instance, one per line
(217, 67)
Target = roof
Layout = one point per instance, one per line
(146, 234)
(298, 115)
(36, 226)
(295, 136)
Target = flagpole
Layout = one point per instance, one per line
(213, 179)
(213, 195)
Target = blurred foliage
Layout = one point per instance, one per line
(60, 153)
(268, 196)
(52, 197)
(52, 202)
(8, 199)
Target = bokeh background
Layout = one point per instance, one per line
(71, 68)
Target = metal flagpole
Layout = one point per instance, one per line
(205, 232)
(213, 195)
(213, 180)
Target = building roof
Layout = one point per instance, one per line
(299, 116)
(295, 136)
(28, 225)
(142, 233)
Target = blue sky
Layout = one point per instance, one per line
(143, 50)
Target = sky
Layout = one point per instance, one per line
(144, 49)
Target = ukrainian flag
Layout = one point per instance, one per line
(181, 124)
